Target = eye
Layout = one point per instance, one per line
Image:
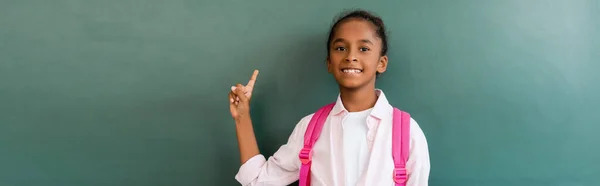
(363, 49)
(340, 48)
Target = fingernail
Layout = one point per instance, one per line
(233, 88)
(231, 100)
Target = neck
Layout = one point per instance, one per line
(355, 100)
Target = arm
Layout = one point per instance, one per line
(239, 105)
(418, 161)
(246, 139)
(280, 169)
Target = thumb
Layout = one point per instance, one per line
(239, 91)
(245, 89)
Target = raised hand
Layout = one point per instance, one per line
(239, 105)
(249, 87)
(239, 97)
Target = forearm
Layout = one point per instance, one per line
(282, 168)
(246, 138)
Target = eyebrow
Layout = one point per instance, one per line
(338, 40)
(366, 41)
(362, 41)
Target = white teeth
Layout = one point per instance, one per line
(352, 71)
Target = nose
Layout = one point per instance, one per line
(351, 57)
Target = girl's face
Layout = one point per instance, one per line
(355, 54)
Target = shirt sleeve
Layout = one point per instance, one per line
(418, 160)
(280, 169)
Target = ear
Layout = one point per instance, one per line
(382, 65)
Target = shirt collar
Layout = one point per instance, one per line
(382, 107)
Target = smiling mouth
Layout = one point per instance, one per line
(351, 70)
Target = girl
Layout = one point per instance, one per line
(355, 144)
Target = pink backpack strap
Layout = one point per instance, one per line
(313, 131)
(400, 145)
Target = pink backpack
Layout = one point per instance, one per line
(400, 143)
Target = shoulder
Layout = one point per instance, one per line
(301, 126)
(415, 129)
(416, 133)
(303, 123)
(414, 126)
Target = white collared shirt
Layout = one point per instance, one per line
(328, 162)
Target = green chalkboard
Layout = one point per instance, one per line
(131, 92)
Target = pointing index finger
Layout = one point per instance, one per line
(253, 79)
